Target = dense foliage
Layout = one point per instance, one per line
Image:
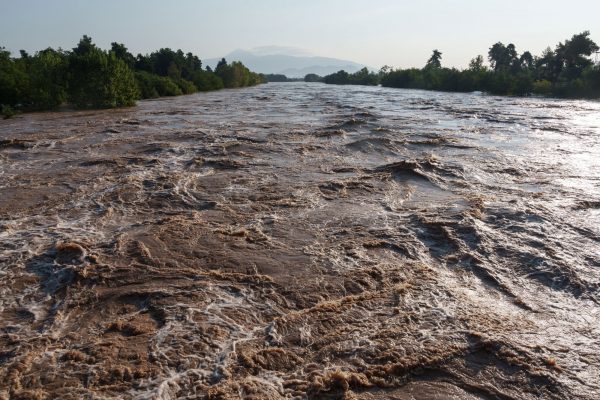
(566, 71)
(98, 79)
(280, 78)
(313, 78)
(362, 77)
(236, 75)
(89, 77)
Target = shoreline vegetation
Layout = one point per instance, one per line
(89, 77)
(565, 72)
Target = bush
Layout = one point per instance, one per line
(205, 81)
(186, 86)
(7, 111)
(166, 87)
(312, 78)
(151, 86)
(146, 83)
(542, 88)
(591, 79)
(522, 85)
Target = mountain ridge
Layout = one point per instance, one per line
(293, 66)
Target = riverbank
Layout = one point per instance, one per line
(88, 77)
(566, 72)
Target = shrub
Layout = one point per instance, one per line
(186, 86)
(146, 83)
(7, 111)
(166, 87)
(205, 81)
(542, 87)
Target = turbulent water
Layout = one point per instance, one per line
(302, 241)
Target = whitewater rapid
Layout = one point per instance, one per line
(302, 241)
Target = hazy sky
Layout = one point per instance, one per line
(400, 33)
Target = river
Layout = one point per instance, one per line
(302, 241)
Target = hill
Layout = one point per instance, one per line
(288, 61)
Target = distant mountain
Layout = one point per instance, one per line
(294, 63)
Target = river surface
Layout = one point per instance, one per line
(302, 241)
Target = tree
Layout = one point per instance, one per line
(573, 55)
(173, 71)
(476, 64)
(191, 65)
(526, 61)
(84, 46)
(364, 77)
(122, 53)
(236, 74)
(339, 78)
(547, 66)
(435, 60)
(221, 64)
(143, 63)
(13, 80)
(496, 55)
(225, 72)
(47, 72)
(161, 60)
(207, 80)
(501, 57)
(89, 77)
(98, 79)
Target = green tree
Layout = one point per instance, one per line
(502, 57)
(143, 63)
(435, 61)
(547, 67)
(526, 61)
(98, 79)
(364, 77)
(122, 53)
(312, 78)
(207, 80)
(84, 46)
(47, 72)
(573, 55)
(91, 77)
(161, 60)
(339, 78)
(225, 72)
(191, 65)
(13, 80)
(476, 64)
(236, 74)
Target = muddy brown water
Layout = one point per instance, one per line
(302, 241)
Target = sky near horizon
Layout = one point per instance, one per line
(373, 32)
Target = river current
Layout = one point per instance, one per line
(302, 241)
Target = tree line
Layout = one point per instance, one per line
(89, 77)
(281, 78)
(567, 71)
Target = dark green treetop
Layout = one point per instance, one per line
(435, 61)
